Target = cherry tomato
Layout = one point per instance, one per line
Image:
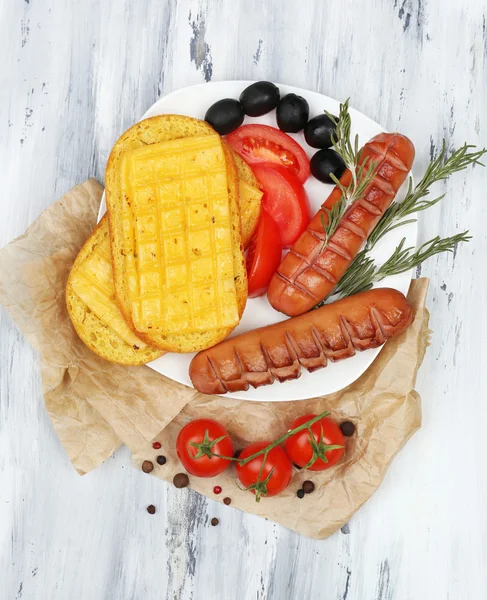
(197, 440)
(277, 461)
(264, 255)
(326, 433)
(262, 143)
(285, 199)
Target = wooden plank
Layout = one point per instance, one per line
(74, 76)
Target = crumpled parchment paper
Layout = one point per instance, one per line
(96, 405)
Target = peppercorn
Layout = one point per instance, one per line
(300, 493)
(156, 445)
(217, 489)
(227, 501)
(348, 428)
(147, 466)
(181, 480)
(151, 509)
(308, 487)
(214, 522)
(161, 460)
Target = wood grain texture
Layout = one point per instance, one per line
(74, 75)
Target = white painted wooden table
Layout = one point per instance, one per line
(74, 75)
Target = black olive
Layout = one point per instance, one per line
(259, 98)
(325, 162)
(225, 115)
(292, 113)
(318, 132)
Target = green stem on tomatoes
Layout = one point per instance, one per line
(205, 447)
(259, 486)
(283, 438)
(319, 448)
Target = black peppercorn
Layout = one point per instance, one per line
(300, 493)
(161, 460)
(214, 522)
(348, 428)
(308, 487)
(151, 509)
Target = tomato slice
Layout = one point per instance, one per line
(262, 143)
(285, 199)
(264, 255)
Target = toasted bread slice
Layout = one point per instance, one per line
(250, 199)
(101, 337)
(180, 277)
(92, 307)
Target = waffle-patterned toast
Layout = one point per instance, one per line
(90, 289)
(177, 253)
(91, 305)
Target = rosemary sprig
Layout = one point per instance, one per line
(341, 140)
(361, 172)
(359, 274)
(363, 272)
(414, 202)
(333, 218)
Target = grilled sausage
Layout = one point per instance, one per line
(277, 352)
(312, 268)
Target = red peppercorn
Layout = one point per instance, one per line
(156, 445)
(217, 489)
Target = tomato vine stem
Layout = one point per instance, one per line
(260, 486)
(279, 441)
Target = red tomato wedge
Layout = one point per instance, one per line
(285, 199)
(262, 143)
(263, 255)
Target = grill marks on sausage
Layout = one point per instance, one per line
(313, 266)
(308, 262)
(339, 250)
(386, 157)
(393, 157)
(222, 387)
(312, 353)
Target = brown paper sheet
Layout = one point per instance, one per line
(382, 403)
(92, 412)
(90, 409)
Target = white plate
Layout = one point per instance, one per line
(194, 101)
